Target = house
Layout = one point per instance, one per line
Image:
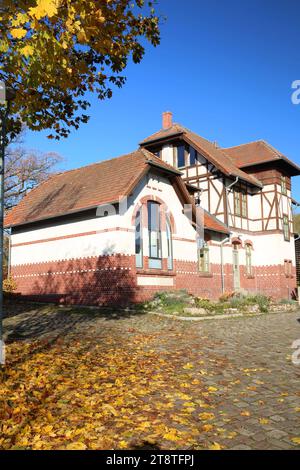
(178, 213)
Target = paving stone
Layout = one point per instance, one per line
(261, 345)
(277, 434)
(241, 447)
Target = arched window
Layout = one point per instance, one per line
(138, 240)
(169, 242)
(248, 259)
(154, 230)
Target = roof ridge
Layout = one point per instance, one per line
(246, 143)
(272, 148)
(95, 163)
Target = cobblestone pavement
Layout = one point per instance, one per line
(256, 394)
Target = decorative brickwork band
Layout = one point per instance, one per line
(112, 280)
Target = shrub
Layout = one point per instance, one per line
(263, 302)
(202, 303)
(226, 296)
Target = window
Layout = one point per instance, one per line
(248, 260)
(283, 185)
(237, 203)
(240, 203)
(180, 156)
(154, 231)
(169, 243)
(138, 240)
(244, 204)
(203, 258)
(193, 156)
(286, 228)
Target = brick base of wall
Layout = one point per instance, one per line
(112, 280)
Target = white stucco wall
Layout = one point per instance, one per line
(111, 235)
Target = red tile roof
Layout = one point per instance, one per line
(255, 153)
(209, 150)
(212, 223)
(84, 188)
(89, 186)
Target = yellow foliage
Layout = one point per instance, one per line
(9, 285)
(44, 8)
(215, 446)
(76, 446)
(296, 440)
(50, 33)
(206, 416)
(18, 33)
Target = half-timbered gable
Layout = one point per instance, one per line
(248, 188)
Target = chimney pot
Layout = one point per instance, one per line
(167, 120)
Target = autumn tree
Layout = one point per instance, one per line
(55, 51)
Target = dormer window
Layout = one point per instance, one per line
(184, 155)
(193, 156)
(179, 156)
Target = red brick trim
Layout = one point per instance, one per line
(104, 280)
(154, 197)
(154, 272)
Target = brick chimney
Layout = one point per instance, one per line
(167, 118)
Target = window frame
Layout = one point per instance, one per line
(240, 202)
(195, 153)
(139, 256)
(170, 260)
(283, 185)
(286, 227)
(237, 202)
(155, 262)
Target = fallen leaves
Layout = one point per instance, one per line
(76, 446)
(206, 416)
(93, 393)
(264, 421)
(215, 446)
(77, 395)
(296, 440)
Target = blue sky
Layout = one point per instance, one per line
(224, 69)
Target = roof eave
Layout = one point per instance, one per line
(55, 216)
(159, 139)
(272, 160)
(163, 168)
